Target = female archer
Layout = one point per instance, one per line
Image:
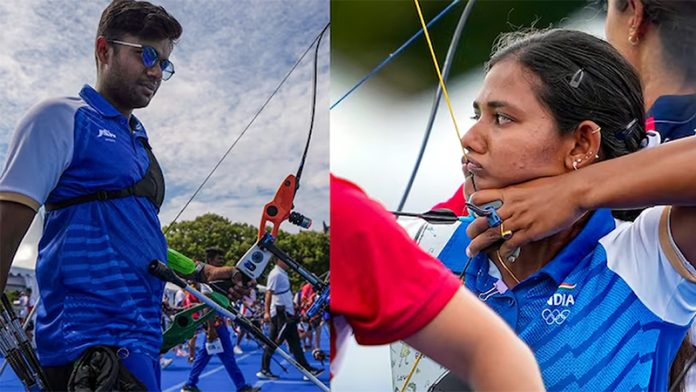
(602, 303)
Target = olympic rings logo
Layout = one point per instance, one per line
(555, 316)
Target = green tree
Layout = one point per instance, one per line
(309, 248)
(193, 237)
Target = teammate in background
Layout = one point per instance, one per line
(279, 312)
(311, 325)
(24, 304)
(385, 288)
(217, 342)
(658, 38)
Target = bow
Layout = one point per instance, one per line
(220, 304)
(253, 263)
(280, 209)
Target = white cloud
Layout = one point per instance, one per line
(228, 61)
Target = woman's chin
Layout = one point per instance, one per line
(475, 184)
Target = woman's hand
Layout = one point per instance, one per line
(532, 210)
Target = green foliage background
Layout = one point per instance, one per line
(191, 238)
(365, 32)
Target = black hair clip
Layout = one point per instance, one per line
(628, 131)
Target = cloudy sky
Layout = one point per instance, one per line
(230, 58)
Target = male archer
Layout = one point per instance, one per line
(88, 161)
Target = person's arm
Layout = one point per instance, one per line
(237, 290)
(663, 175)
(40, 150)
(189, 269)
(389, 289)
(267, 305)
(15, 220)
(483, 350)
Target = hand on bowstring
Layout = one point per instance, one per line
(531, 210)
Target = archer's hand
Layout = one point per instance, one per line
(238, 289)
(532, 210)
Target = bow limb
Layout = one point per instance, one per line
(184, 326)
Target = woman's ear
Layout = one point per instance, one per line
(587, 139)
(637, 23)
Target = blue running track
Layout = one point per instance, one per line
(215, 378)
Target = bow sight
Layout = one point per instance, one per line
(255, 260)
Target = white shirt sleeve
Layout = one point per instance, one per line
(272, 283)
(40, 150)
(644, 255)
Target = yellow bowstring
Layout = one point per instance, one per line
(413, 370)
(439, 75)
(456, 128)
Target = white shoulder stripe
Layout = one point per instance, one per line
(638, 254)
(675, 256)
(41, 149)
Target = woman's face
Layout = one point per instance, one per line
(515, 138)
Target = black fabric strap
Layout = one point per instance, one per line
(150, 186)
(101, 196)
(281, 292)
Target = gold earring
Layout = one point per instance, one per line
(633, 40)
(597, 130)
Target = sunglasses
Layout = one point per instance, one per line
(151, 58)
